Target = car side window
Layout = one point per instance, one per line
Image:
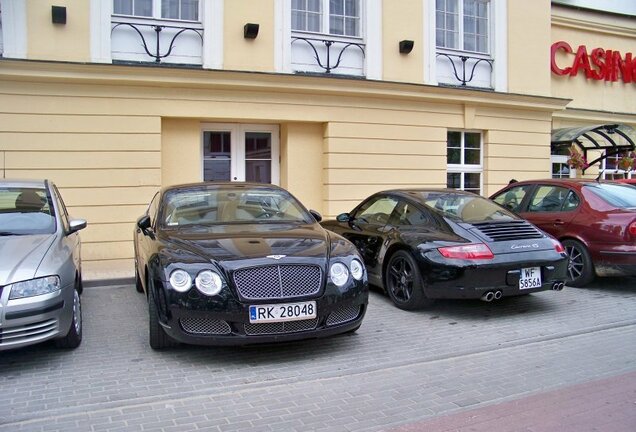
(376, 211)
(513, 197)
(548, 199)
(63, 213)
(406, 214)
(572, 201)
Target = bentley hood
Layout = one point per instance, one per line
(21, 256)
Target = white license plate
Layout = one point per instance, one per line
(530, 278)
(282, 312)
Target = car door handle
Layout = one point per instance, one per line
(559, 222)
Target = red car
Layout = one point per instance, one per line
(631, 181)
(595, 221)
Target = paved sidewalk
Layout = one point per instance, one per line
(607, 405)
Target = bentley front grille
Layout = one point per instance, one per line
(205, 326)
(281, 327)
(278, 281)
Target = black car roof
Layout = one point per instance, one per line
(215, 185)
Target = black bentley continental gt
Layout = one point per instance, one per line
(421, 245)
(241, 263)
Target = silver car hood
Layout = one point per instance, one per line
(21, 256)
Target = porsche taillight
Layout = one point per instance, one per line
(558, 246)
(469, 251)
(632, 228)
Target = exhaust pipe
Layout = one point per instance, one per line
(498, 294)
(558, 286)
(488, 297)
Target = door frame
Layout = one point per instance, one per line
(237, 146)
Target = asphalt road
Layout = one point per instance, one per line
(458, 365)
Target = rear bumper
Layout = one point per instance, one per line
(615, 260)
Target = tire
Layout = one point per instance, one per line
(73, 338)
(403, 282)
(157, 336)
(580, 267)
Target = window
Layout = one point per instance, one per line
(611, 170)
(552, 199)
(376, 211)
(464, 161)
(187, 10)
(463, 25)
(513, 197)
(336, 17)
(559, 159)
(407, 214)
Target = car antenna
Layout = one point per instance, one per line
(598, 177)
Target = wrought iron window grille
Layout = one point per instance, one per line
(325, 63)
(458, 61)
(157, 54)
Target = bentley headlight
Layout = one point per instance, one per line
(180, 280)
(357, 271)
(339, 274)
(209, 282)
(34, 287)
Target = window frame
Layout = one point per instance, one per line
(462, 168)
(461, 32)
(325, 22)
(614, 173)
(157, 13)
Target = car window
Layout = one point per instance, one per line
(63, 212)
(406, 214)
(25, 210)
(512, 198)
(618, 195)
(377, 210)
(572, 201)
(548, 198)
(465, 207)
(152, 209)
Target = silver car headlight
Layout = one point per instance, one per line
(34, 287)
(357, 270)
(180, 280)
(209, 282)
(339, 274)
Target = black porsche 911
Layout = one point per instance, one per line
(421, 245)
(241, 263)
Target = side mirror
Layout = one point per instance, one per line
(76, 225)
(143, 222)
(316, 215)
(343, 217)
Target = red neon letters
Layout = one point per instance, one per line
(599, 64)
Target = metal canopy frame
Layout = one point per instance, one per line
(597, 137)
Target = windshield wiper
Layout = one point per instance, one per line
(8, 233)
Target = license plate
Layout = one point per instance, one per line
(530, 278)
(282, 312)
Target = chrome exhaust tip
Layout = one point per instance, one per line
(498, 294)
(488, 297)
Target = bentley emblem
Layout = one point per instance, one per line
(276, 257)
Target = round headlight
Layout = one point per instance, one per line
(356, 269)
(180, 280)
(339, 274)
(209, 282)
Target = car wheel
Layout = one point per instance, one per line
(580, 267)
(157, 336)
(74, 336)
(403, 282)
(138, 286)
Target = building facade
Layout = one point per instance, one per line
(331, 99)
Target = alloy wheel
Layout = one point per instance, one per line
(77, 312)
(576, 264)
(401, 279)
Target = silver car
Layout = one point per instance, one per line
(40, 267)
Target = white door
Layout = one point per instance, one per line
(238, 152)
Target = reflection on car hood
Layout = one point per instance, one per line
(21, 255)
(239, 242)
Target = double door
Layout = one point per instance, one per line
(240, 152)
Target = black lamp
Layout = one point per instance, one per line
(58, 14)
(250, 31)
(406, 46)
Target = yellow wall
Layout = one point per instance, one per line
(594, 30)
(65, 42)
(181, 151)
(399, 23)
(529, 47)
(248, 54)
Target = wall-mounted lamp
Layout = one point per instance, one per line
(58, 14)
(250, 31)
(406, 46)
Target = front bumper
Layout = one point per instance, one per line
(35, 319)
(194, 319)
